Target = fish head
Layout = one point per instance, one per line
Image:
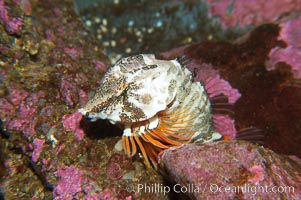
(134, 90)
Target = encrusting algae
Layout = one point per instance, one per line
(157, 104)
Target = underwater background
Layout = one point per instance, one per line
(53, 55)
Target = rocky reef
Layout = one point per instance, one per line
(221, 170)
(51, 65)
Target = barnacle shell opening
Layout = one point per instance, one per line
(157, 103)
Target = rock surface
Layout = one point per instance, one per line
(232, 170)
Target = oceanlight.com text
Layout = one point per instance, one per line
(211, 188)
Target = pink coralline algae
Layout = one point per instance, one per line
(23, 125)
(27, 106)
(240, 12)
(38, 145)
(73, 52)
(17, 95)
(72, 123)
(113, 194)
(83, 97)
(290, 34)
(114, 171)
(69, 183)
(6, 108)
(69, 92)
(289, 55)
(217, 166)
(99, 65)
(117, 163)
(75, 183)
(258, 174)
(12, 24)
(25, 5)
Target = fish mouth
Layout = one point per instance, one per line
(83, 112)
(92, 116)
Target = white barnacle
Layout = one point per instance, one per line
(157, 103)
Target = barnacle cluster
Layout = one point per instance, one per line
(157, 104)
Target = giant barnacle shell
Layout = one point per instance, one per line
(157, 103)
